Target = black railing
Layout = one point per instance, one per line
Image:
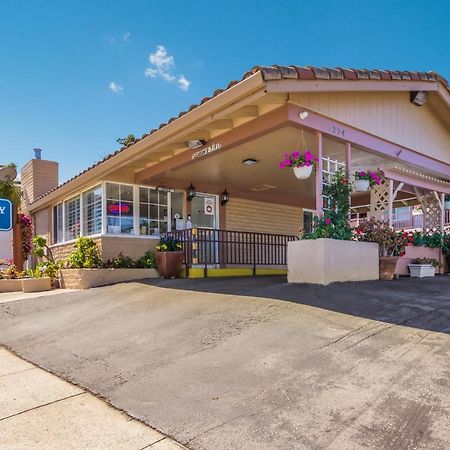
(206, 247)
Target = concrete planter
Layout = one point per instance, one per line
(412, 253)
(421, 270)
(88, 278)
(36, 284)
(324, 261)
(169, 263)
(387, 267)
(10, 285)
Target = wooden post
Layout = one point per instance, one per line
(319, 176)
(17, 240)
(391, 202)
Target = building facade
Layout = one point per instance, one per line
(226, 151)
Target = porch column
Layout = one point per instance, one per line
(319, 176)
(391, 202)
(442, 201)
(348, 172)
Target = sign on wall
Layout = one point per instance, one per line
(6, 216)
(209, 206)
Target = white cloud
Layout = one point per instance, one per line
(126, 37)
(162, 65)
(183, 83)
(115, 87)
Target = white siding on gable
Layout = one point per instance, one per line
(389, 115)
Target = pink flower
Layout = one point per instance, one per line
(295, 155)
(307, 164)
(281, 165)
(287, 162)
(362, 174)
(309, 156)
(327, 221)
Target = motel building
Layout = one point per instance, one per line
(210, 176)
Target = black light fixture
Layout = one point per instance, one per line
(190, 192)
(224, 197)
(419, 98)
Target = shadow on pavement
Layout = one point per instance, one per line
(418, 303)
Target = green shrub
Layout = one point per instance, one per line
(121, 262)
(147, 261)
(86, 255)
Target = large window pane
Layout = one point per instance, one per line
(92, 211)
(119, 208)
(72, 218)
(152, 211)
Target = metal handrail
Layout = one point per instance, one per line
(206, 247)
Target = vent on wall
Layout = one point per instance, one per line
(262, 188)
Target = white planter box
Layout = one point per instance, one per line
(10, 285)
(36, 284)
(361, 185)
(88, 278)
(324, 261)
(303, 172)
(421, 270)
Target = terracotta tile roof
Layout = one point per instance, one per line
(277, 72)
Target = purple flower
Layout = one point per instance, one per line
(295, 155)
(362, 174)
(309, 156)
(327, 221)
(281, 165)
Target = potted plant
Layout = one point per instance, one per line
(391, 244)
(169, 257)
(301, 163)
(447, 201)
(365, 179)
(424, 267)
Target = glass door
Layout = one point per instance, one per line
(204, 214)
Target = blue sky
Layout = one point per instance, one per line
(58, 60)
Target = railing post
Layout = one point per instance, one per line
(319, 175)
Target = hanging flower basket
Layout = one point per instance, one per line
(301, 163)
(361, 185)
(303, 172)
(365, 179)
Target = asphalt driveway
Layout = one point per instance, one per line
(255, 363)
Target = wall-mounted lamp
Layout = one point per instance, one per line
(249, 161)
(303, 115)
(224, 197)
(190, 192)
(419, 98)
(196, 143)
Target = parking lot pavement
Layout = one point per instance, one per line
(255, 363)
(39, 410)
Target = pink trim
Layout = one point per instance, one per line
(412, 253)
(376, 144)
(319, 179)
(423, 183)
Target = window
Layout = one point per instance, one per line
(58, 223)
(152, 211)
(71, 218)
(307, 221)
(92, 211)
(119, 208)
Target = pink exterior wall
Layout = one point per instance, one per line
(413, 252)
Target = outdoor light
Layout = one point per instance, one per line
(419, 98)
(249, 162)
(190, 192)
(224, 197)
(196, 143)
(303, 115)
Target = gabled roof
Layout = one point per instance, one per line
(277, 72)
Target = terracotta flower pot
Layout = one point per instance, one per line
(387, 267)
(169, 263)
(447, 257)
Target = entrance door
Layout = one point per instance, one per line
(205, 214)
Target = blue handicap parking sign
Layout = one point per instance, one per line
(6, 216)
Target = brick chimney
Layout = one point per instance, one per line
(37, 177)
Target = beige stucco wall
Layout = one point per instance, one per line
(249, 215)
(324, 261)
(42, 222)
(389, 115)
